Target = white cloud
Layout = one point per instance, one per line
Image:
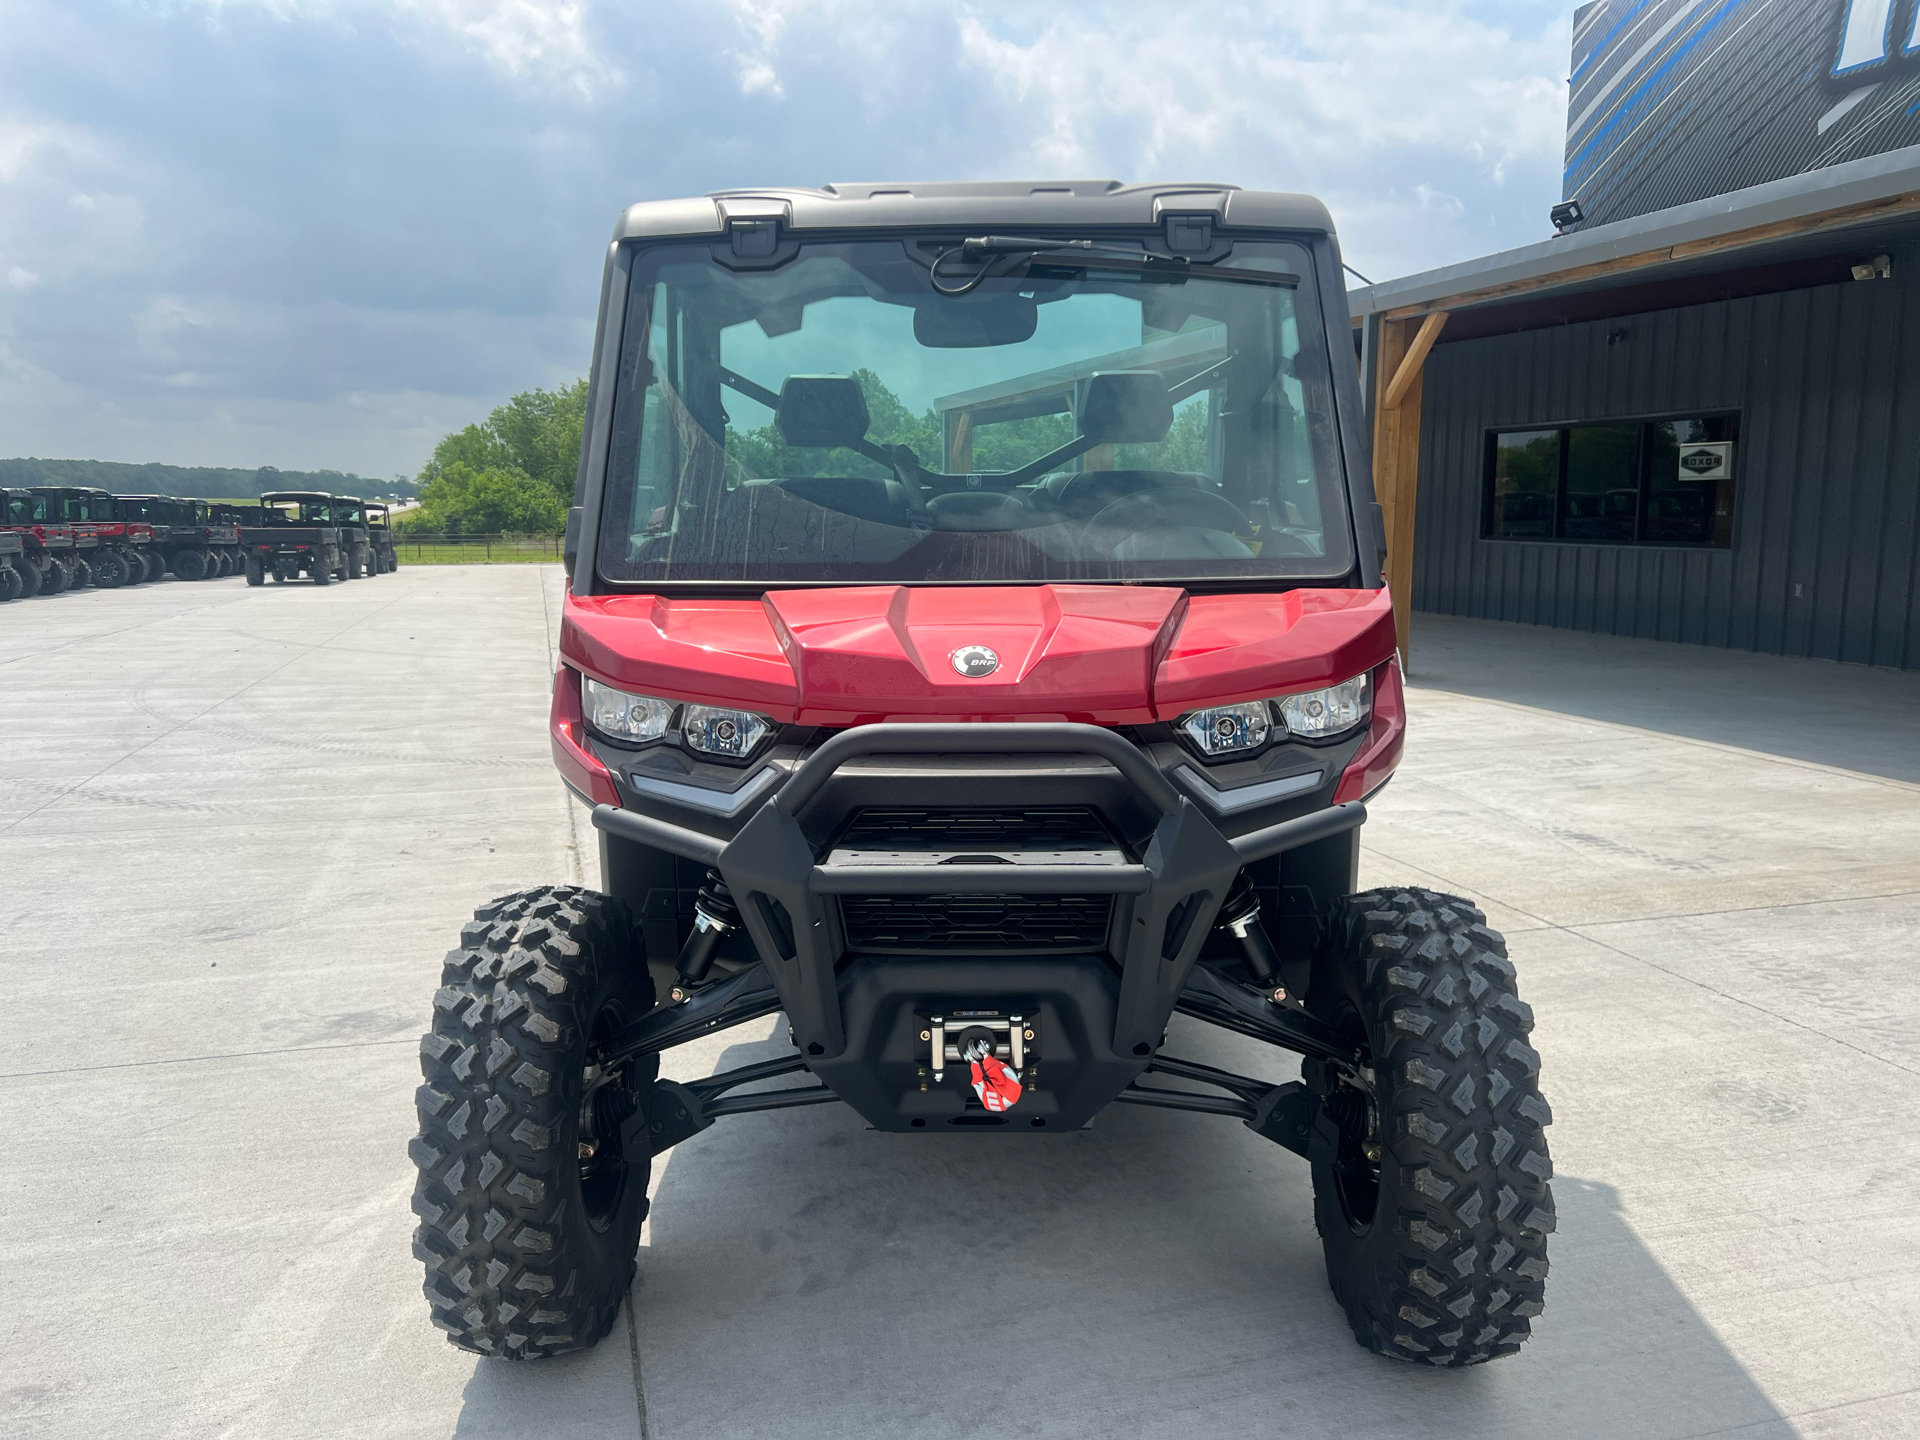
(538, 39)
(1350, 99)
(324, 232)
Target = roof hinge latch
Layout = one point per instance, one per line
(1189, 234)
(754, 239)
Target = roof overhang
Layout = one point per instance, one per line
(1795, 215)
(1023, 203)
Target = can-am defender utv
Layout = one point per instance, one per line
(45, 563)
(384, 557)
(976, 651)
(116, 553)
(187, 538)
(291, 534)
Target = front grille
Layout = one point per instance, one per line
(1063, 831)
(1028, 924)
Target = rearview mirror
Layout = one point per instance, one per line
(969, 324)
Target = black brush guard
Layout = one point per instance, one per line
(1111, 1024)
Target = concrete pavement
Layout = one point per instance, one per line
(238, 828)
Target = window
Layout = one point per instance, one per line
(1615, 482)
(845, 417)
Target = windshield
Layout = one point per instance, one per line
(347, 512)
(842, 417)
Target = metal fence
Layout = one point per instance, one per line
(476, 549)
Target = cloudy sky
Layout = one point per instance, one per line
(318, 233)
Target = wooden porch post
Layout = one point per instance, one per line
(1398, 376)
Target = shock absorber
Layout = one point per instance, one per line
(714, 918)
(1240, 916)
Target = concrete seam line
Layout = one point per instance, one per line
(633, 1349)
(155, 740)
(1578, 932)
(196, 1059)
(1738, 1000)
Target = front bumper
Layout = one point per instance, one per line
(856, 1018)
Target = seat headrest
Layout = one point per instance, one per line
(821, 411)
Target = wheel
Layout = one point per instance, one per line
(256, 572)
(58, 576)
(190, 564)
(1433, 1208)
(150, 566)
(110, 569)
(31, 579)
(11, 585)
(357, 565)
(529, 1205)
(322, 572)
(82, 571)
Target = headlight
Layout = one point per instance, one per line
(1225, 729)
(1319, 713)
(621, 715)
(730, 733)
(1314, 715)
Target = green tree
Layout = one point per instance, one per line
(460, 499)
(536, 433)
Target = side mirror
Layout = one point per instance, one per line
(821, 411)
(1126, 407)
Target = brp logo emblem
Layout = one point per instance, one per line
(976, 662)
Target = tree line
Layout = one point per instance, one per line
(208, 482)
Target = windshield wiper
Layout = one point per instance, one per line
(1029, 249)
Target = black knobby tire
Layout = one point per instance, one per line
(57, 576)
(256, 572)
(80, 573)
(529, 1243)
(1434, 1209)
(111, 570)
(12, 586)
(190, 565)
(321, 571)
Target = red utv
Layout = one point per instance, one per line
(45, 563)
(976, 651)
(111, 551)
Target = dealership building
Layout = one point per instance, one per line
(1694, 413)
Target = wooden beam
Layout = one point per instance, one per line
(1416, 356)
(1396, 458)
(1881, 209)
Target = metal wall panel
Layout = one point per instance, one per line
(1674, 100)
(1826, 525)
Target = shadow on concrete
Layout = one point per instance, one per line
(1157, 1274)
(1849, 716)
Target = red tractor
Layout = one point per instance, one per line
(976, 651)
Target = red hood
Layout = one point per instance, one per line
(1103, 654)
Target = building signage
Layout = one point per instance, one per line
(1678, 100)
(1709, 460)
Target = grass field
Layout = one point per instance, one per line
(480, 550)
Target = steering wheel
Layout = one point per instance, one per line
(1193, 509)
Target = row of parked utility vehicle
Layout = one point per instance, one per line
(55, 538)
